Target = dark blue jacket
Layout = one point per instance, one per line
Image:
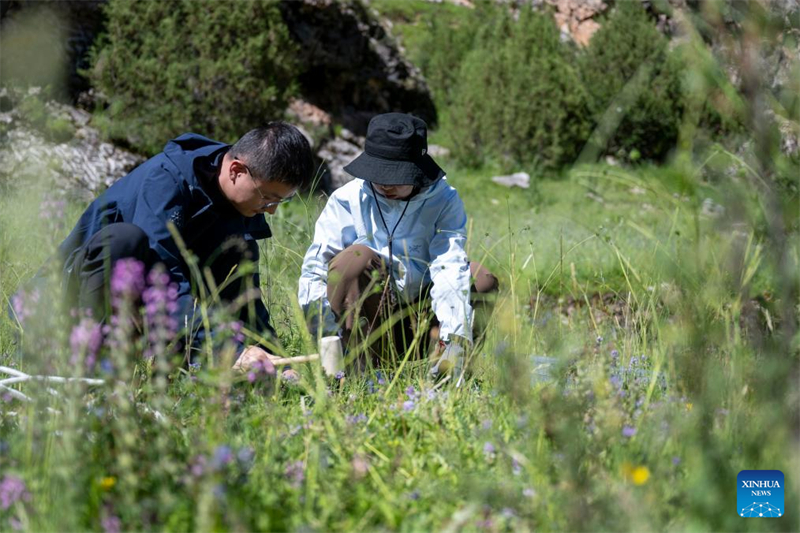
(177, 185)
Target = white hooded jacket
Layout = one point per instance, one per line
(428, 247)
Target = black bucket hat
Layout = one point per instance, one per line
(396, 153)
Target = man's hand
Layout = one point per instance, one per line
(255, 363)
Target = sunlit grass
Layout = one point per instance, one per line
(626, 436)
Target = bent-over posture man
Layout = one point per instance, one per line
(215, 195)
(391, 238)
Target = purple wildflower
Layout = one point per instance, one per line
(127, 280)
(484, 524)
(85, 340)
(245, 457)
(296, 473)
(339, 375)
(24, 304)
(12, 490)
(52, 209)
(356, 419)
(107, 366)
(414, 495)
(409, 405)
(160, 300)
(614, 354)
(516, 467)
(599, 339)
(488, 449)
(111, 524)
(676, 460)
(379, 375)
(236, 328)
(412, 393)
(431, 395)
(260, 370)
(197, 467)
(223, 455)
(628, 431)
(614, 380)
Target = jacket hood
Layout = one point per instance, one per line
(184, 150)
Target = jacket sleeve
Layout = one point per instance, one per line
(334, 231)
(161, 199)
(449, 271)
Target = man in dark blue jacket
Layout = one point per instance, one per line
(215, 196)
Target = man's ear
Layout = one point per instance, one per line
(234, 170)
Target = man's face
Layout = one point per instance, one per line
(394, 192)
(251, 197)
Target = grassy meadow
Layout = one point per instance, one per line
(660, 313)
(642, 351)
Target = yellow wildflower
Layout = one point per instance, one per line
(107, 483)
(640, 475)
(689, 406)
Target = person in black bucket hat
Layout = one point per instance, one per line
(387, 248)
(396, 153)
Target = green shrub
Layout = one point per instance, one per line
(216, 68)
(59, 129)
(628, 70)
(448, 38)
(32, 110)
(516, 98)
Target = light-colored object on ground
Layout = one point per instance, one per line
(437, 152)
(330, 355)
(450, 361)
(542, 371)
(21, 377)
(517, 179)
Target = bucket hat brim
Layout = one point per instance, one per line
(421, 172)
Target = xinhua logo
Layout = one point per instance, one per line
(759, 493)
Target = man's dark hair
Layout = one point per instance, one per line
(276, 152)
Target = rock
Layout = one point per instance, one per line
(518, 179)
(81, 167)
(438, 152)
(307, 113)
(354, 67)
(336, 153)
(595, 197)
(574, 18)
(711, 209)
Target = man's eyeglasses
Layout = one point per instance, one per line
(267, 201)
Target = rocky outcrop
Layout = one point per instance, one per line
(65, 152)
(353, 66)
(575, 18)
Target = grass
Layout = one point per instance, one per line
(660, 394)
